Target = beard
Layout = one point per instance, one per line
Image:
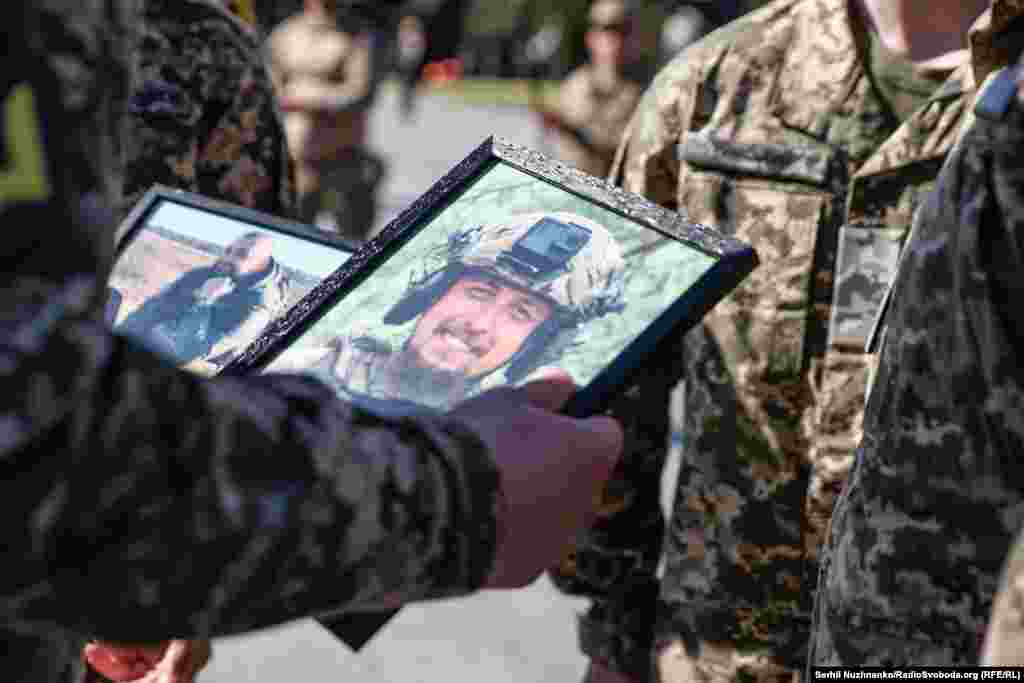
(411, 380)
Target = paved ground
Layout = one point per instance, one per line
(441, 133)
(498, 637)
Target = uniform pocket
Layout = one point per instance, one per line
(763, 324)
(866, 264)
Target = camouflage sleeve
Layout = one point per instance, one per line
(607, 135)
(204, 117)
(576, 118)
(149, 503)
(615, 564)
(1004, 640)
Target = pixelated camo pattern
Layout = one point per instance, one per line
(203, 114)
(143, 503)
(768, 129)
(937, 494)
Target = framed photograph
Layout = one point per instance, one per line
(510, 264)
(198, 279)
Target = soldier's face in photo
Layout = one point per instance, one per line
(245, 256)
(477, 326)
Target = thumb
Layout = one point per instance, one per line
(551, 390)
(605, 439)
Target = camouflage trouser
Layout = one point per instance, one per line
(843, 635)
(346, 199)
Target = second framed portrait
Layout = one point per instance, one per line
(198, 280)
(511, 265)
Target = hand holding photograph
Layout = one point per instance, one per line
(510, 265)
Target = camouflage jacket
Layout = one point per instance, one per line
(594, 115)
(937, 492)
(226, 326)
(771, 130)
(203, 115)
(141, 502)
(357, 366)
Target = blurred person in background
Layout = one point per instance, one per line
(595, 101)
(326, 66)
(691, 21)
(410, 47)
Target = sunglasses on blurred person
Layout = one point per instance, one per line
(617, 27)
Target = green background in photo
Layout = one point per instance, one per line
(659, 270)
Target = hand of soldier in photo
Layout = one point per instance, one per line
(175, 661)
(552, 468)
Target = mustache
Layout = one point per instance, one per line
(476, 341)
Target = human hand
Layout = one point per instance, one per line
(552, 469)
(175, 661)
(550, 118)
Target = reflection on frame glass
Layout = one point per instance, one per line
(198, 280)
(512, 265)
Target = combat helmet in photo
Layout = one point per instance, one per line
(572, 262)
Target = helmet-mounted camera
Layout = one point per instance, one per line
(546, 249)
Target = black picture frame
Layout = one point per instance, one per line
(730, 261)
(171, 237)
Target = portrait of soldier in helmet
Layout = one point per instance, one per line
(488, 306)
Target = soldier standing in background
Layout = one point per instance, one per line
(326, 68)
(203, 113)
(809, 129)
(596, 100)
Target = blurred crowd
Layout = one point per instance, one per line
(848, 493)
(305, 75)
